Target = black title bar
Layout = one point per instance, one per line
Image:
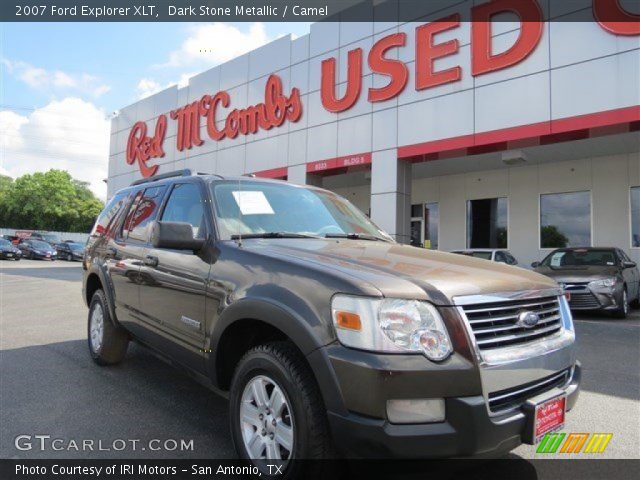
(302, 10)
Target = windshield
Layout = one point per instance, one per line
(580, 258)
(258, 208)
(51, 238)
(75, 246)
(39, 245)
(4, 243)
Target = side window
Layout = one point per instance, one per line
(105, 220)
(511, 259)
(501, 257)
(185, 205)
(145, 213)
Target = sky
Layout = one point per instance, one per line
(61, 82)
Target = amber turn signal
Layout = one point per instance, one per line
(348, 320)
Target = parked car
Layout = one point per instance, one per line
(595, 278)
(492, 254)
(8, 250)
(326, 335)
(12, 238)
(50, 238)
(37, 249)
(70, 251)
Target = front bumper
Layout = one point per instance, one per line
(596, 299)
(468, 431)
(10, 255)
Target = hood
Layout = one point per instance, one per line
(585, 273)
(403, 271)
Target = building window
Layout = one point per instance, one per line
(431, 223)
(635, 217)
(565, 220)
(487, 223)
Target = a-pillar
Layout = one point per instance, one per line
(391, 194)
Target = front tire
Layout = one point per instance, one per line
(623, 310)
(277, 411)
(107, 343)
(69, 257)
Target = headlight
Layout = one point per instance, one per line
(390, 325)
(607, 282)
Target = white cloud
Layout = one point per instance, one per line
(215, 43)
(70, 134)
(41, 79)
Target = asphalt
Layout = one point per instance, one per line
(49, 385)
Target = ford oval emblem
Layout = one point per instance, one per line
(528, 319)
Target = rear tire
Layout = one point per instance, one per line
(107, 343)
(623, 310)
(300, 423)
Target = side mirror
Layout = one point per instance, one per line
(627, 264)
(535, 264)
(175, 235)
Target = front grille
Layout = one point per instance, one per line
(494, 325)
(583, 301)
(514, 397)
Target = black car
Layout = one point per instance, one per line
(37, 249)
(49, 238)
(70, 251)
(327, 335)
(8, 250)
(594, 278)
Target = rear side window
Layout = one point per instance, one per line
(146, 211)
(185, 205)
(107, 217)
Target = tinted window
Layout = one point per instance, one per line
(501, 257)
(487, 223)
(185, 205)
(4, 243)
(483, 255)
(105, 220)
(635, 217)
(145, 213)
(565, 220)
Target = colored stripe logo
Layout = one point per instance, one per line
(572, 443)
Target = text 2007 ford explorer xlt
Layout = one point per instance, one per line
(329, 337)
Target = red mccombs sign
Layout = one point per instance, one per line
(278, 107)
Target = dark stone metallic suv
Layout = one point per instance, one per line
(328, 337)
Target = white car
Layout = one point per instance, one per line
(492, 254)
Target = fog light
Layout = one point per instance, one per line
(416, 411)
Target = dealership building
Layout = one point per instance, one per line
(449, 134)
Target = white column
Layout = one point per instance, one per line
(298, 174)
(391, 194)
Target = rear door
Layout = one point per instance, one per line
(173, 292)
(125, 251)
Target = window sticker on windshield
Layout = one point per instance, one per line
(556, 259)
(252, 203)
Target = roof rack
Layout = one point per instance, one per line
(178, 173)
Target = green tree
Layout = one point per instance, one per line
(551, 237)
(50, 200)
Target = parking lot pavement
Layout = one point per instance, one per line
(49, 385)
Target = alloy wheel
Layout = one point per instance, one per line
(96, 328)
(266, 420)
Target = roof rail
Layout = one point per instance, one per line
(178, 173)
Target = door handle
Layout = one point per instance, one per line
(151, 261)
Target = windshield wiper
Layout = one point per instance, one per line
(356, 236)
(273, 235)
